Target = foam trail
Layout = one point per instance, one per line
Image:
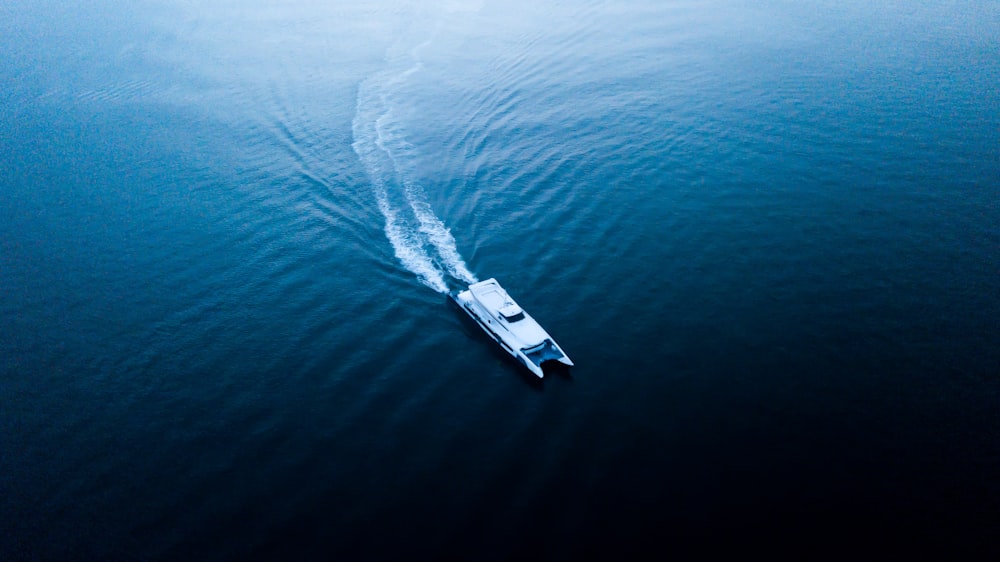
(440, 236)
(410, 224)
(407, 243)
(435, 232)
(409, 249)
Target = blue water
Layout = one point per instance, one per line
(766, 233)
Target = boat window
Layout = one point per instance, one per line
(515, 317)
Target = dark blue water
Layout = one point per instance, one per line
(766, 232)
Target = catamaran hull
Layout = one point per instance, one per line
(542, 353)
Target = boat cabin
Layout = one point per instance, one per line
(512, 313)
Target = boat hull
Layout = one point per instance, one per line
(533, 355)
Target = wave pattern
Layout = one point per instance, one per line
(420, 240)
(195, 273)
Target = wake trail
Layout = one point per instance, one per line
(420, 240)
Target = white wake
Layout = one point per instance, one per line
(421, 242)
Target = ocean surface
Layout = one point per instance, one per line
(767, 232)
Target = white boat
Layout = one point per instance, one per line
(513, 328)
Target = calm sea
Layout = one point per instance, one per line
(767, 232)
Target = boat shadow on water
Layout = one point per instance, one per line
(564, 372)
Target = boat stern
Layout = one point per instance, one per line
(458, 296)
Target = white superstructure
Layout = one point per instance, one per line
(513, 328)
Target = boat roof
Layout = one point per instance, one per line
(493, 296)
(495, 299)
